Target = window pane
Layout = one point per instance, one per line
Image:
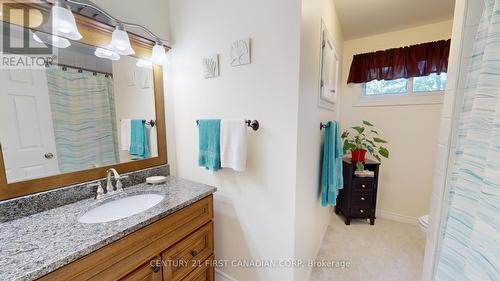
(431, 83)
(383, 87)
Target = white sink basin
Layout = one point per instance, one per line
(121, 208)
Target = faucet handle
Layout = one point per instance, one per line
(100, 190)
(119, 184)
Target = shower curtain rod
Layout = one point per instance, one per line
(80, 69)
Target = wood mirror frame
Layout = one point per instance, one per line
(96, 34)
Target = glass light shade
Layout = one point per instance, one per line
(106, 54)
(144, 64)
(159, 55)
(120, 43)
(64, 24)
(53, 40)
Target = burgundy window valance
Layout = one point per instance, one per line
(406, 62)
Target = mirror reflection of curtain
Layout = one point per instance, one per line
(84, 117)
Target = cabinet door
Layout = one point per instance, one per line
(150, 271)
(188, 254)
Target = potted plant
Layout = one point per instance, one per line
(364, 139)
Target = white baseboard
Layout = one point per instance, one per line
(396, 217)
(221, 276)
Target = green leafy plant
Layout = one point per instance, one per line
(364, 137)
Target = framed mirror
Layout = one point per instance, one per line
(68, 121)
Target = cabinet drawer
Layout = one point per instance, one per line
(361, 211)
(186, 255)
(359, 184)
(150, 271)
(205, 272)
(362, 198)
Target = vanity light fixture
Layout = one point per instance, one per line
(53, 40)
(64, 25)
(159, 55)
(144, 64)
(120, 43)
(106, 54)
(63, 21)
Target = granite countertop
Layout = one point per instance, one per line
(35, 245)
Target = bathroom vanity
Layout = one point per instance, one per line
(173, 240)
(177, 247)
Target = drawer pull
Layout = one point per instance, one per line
(363, 186)
(156, 269)
(361, 211)
(362, 198)
(194, 253)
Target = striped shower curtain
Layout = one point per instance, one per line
(470, 249)
(84, 117)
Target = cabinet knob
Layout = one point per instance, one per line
(194, 253)
(362, 198)
(363, 186)
(156, 269)
(361, 211)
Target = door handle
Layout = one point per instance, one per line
(49, 155)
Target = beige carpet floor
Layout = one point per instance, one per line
(387, 251)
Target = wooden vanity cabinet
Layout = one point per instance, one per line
(177, 247)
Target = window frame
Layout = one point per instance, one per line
(408, 98)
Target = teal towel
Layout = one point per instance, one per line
(139, 144)
(209, 144)
(332, 179)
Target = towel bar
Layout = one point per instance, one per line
(151, 123)
(254, 124)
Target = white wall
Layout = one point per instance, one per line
(254, 210)
(311, 219)
(412, 130)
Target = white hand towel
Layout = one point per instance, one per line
(233, 144)
(125, 132)
(153, 142)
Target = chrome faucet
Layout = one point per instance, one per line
(110, 189)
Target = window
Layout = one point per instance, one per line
(417, 90)
(431, 83)
(417, 85)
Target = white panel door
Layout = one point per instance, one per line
(26, 131)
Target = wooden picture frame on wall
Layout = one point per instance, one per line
(96, 34)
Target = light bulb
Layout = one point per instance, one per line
(53, 40)
(106, 54)
(63, 23)
(120, 43)
(159, 55)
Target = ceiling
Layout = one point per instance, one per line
(360, 18)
